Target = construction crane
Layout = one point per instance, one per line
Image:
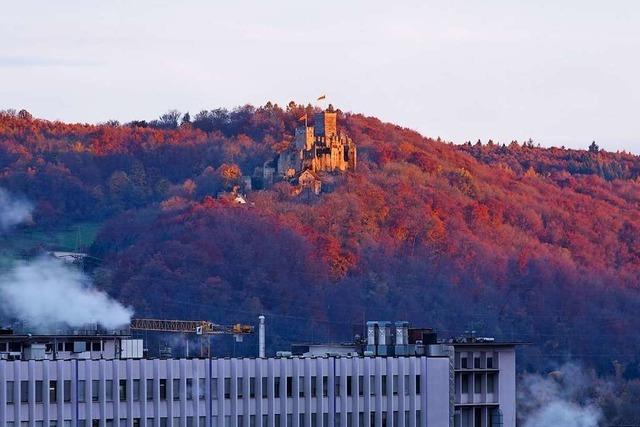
(203, 328)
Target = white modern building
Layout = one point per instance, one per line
(298, 392)
(387, 383)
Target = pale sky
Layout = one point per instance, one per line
(560, 72)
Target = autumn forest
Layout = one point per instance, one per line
(540, 245)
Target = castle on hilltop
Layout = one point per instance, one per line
(318, 148)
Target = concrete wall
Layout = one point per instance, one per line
(405, 392)
(507, 386)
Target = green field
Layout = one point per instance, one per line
(23, 242)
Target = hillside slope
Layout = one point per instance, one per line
(520, 242)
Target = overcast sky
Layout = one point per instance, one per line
(560, 72)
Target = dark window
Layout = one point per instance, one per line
(81, 390)
(478, 383)
(417, 384)
(384, 385)
(68, 346)
(476, 362)
(96, 346)
(301, 386)
(490, 362)
(325, 386)
(60, 346)
(252, 387)
(276, 387)
(463, 363)
(490, 382)
(53, 391)
(337, 386)
(360, 385)
(372, 385)
(201, 388)
(465, 383)
(176, 389)
(95, 390)
(136, 390)
(108, 385)
(477, 415)
(189, 388)
(10, 391)
(38, 391)
(136, 422)
(265, 387)
(227, 388)
(95, 423)
(67, 391)
(163, 389)
(214, 388)
(122, 390)
(349, 384)
(149, 389)
(314, 384)
(289, 387)
(239, 388)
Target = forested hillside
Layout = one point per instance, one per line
(516, 241)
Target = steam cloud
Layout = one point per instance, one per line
(13, 210)
(559, 399)
(46, 293)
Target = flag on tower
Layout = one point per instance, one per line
(322, 97)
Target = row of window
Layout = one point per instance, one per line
(476, 381)
(276, 421)
(477, 362)
(107, 393)
(70, 346)
(314, 386)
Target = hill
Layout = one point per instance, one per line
(517, 241)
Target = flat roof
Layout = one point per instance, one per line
(26, 337)
(487, 344)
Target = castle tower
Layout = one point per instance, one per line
(326, 123)
(303, 139)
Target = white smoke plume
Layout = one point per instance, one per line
(13, 210)
(562, 399)
(46, 293)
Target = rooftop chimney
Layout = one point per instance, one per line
(261, 338)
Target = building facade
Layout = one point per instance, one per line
(485, 384)
(282, 392)
(389, 376)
